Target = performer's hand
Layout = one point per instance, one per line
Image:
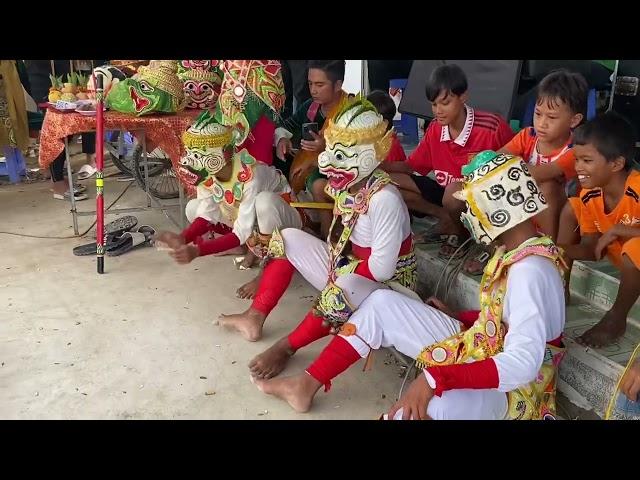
(284, 146)
(440, 305)
(630, 384)
(173, 240)
(185, 254)
(608, 237)
(414, 401)
(315, 145)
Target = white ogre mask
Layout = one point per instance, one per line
(357, 141)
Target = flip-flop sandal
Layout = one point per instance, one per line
(128, 241)
(453, 241)
(482, 258)
(432, 238)
(86, 171)
(120, 225)
(149, 233)
(91, 248)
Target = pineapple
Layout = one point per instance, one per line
(70, 84)
(54, 92)
(82, 87)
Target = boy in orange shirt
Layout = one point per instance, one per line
(609, 215)
(560, 107)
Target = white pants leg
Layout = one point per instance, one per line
(391, 319)
(205, 208)
(273, 212)
(310, 256)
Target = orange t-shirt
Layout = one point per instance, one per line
(593, 218)
(525, 144)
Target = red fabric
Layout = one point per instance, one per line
(198, 227)
(332, 361)
(446, 158)
(468, 317)
(220, 228)
(275, 280)
(308, 331)
(259, 143)
(220, 244)
(365, 252)
(477, 375)
(396, 153)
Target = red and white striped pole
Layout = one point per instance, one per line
(98, 79)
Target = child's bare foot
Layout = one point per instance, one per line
(248, 324)
(272, 361)
(605, 332)
(249, 289)
(298, 391)
(172, 239)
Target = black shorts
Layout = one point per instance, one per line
(431, 191)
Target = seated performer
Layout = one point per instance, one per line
(500, 364)
(372, 245)
(234, 194)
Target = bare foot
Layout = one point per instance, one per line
(298, 391)
(605, 332)
(232, 251)
(248, 324)
(172, 239)
(249, 289)
(272, 361)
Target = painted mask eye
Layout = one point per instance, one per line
(145, 87)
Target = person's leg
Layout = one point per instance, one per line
(304, 253)
(614, 323)
(89, 147)
(57, 174)
(423, 196)
(386, 318)
(272, 212)
(569, 234)
(549, 219)
(319, 195)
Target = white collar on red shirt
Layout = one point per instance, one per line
(464, 134)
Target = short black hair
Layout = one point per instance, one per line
(446, 78)
(384, 104)
(611, 135)
(334, 69)
(568, 87)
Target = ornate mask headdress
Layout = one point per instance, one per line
(155, 88)
(500, 193)
(357, 141)
(209, 147)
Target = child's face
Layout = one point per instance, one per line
(447, 107)
(553, 120)
(592, 167)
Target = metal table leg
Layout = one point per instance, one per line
(74, 212)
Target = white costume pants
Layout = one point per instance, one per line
(271, 212)
(310, 256)
(391, 319)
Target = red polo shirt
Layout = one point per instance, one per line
(446, 156)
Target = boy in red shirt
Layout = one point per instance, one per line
(458, 134)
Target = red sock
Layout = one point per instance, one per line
(275, 280)
(199, 227)
(309, 330)
(332, 361)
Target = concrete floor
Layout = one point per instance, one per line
(138, 342)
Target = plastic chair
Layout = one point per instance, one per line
(14, 165)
